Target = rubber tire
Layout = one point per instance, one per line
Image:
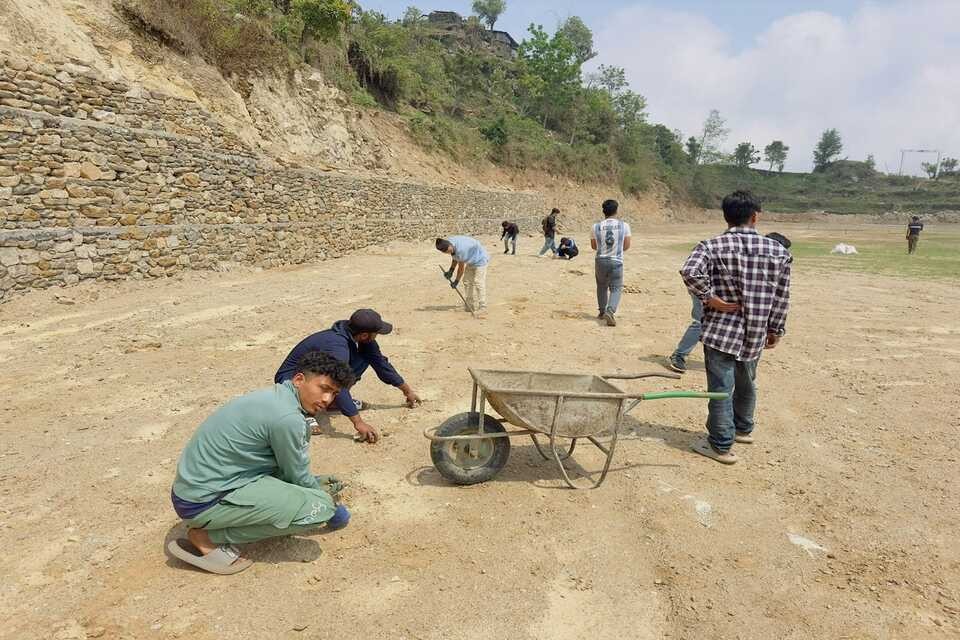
(465, 424)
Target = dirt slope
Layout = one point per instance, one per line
(295, 118)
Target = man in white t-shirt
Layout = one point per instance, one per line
(610, 239)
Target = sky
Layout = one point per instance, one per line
(884, 73)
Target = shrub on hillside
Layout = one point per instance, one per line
(231, 40)
(850, 170)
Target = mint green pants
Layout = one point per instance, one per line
(264, 509)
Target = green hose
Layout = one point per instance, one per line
(684, 394)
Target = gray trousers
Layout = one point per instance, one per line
(609, 284)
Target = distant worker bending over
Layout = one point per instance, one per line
(509, 236)
(470, 262)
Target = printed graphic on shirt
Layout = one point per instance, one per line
(610, 235)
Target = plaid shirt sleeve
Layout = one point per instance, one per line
(777, 322)
(695, 273)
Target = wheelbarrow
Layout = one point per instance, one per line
(472, 447)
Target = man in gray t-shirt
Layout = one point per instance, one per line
(610, 239)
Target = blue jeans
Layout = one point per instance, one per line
(692, 335)
(549, 242)
(734, 415)
(609, 284)
(507, 240)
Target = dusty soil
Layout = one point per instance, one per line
(840, 522)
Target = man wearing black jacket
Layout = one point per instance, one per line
(354, 342)
(509, 236)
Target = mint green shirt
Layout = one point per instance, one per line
(261, 433)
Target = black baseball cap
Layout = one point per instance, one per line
(369, 321)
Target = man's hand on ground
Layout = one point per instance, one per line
(719, 304)
(367, 432)
(772, 340)
(413, 399)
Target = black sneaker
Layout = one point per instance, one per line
(677, 364)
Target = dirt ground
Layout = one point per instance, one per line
(840, 522)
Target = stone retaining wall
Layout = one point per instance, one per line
(99, 180)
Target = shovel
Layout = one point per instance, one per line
(454, 288)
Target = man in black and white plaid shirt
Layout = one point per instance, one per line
(743, 281)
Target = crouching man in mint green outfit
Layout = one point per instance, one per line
(245, 474)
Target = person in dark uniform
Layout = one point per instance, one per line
(913, 234)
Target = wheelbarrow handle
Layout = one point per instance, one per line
(634, 376)
(662, 395)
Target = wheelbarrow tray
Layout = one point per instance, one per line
(591, 406)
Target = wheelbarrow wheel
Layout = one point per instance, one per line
(469, 461)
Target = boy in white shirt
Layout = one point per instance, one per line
(611, 238)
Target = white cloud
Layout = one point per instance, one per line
(887, 77)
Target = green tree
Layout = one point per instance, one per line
(776, 154)
(947, 167)
(870, 162)
(745, 155)
(668, 147)
(322, 19)
(489, 10)
(932, 169)
(693, 149)
(412, 16)
(550, 74)
(827, 150)
(630, 106)
(578, 33)
(714, 134)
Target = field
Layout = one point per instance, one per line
(845, 188)
(840, 522)
(881, 250)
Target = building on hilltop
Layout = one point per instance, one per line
(500, 42)
(503, 43)
(445, 18)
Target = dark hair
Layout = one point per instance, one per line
(554, 210)
(610, 207)
(504, 224)
(317, 363)
(443, 245)
(916, 217)
(739, 207)
(779, 237)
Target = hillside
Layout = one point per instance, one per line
(292, 113)
(845, 188)
(434, 101)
